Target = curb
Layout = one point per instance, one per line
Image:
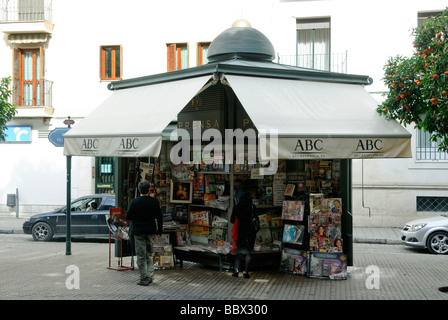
(377, 241)
(11, 231)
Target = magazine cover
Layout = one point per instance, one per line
(199, 218)
(199, 230)
(327, 265)
(293, 233)
(293, 261)
(316, 202)
(217, 234)
(264, 220)
(182, 172)
(183, 235)
(146, 170)
(293, 210)
(218, 221)
(264, 236)
(289, 191)
(163, 256)
(276, 229)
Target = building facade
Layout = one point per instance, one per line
(62, 57)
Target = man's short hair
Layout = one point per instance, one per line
(143, 187)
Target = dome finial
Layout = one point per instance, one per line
(241, 23)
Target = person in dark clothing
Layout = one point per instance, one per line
(244, 211)
(146, 222)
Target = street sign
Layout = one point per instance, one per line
(56, 136)
(69, 122)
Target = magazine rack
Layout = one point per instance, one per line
(116, 224)
(120, 266)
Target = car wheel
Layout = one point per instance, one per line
(42, 232)
(438, 242)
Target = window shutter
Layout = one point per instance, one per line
(16, 57)
(171, 57)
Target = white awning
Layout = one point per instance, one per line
(130, 122)
(319, 120)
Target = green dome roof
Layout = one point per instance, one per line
(242, 42)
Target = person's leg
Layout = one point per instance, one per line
(140, 252)
(149, 257)
(236, 266)
(246, 266)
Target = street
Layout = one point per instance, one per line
(40, 270)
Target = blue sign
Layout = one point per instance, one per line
(56, 136)
(18, 133)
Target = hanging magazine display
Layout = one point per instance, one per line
(324, 224)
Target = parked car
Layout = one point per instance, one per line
(86, 220)
(430, 233)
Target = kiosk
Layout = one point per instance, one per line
(290, 131)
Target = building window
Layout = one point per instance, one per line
(427, 149)
(202, 53)
(177, 56)
(28, 77)
(110, 62)
(313, 43)
(435, 204)
(423, 16)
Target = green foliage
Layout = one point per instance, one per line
(7, 110)
(418, 86)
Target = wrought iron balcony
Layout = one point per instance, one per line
(32, 93)
(335, 62)
(26, 10)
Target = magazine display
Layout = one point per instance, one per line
(325, 224)
(293, 261)
(118, 226)
(293, 210)
(327, 265)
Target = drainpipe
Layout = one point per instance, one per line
(362, 186)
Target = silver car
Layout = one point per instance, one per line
(430, 233)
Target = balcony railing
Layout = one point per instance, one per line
(32, 93)
(26, 10)
(335, 62)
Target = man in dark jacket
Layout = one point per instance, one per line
(144, 213)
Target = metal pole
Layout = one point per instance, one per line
(347, 219)
(68, 212)
(17, 202)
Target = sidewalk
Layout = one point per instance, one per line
(32, 270)
(13, 225)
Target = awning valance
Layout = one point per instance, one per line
(320, 119)
(130, 122)
(28, 38)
